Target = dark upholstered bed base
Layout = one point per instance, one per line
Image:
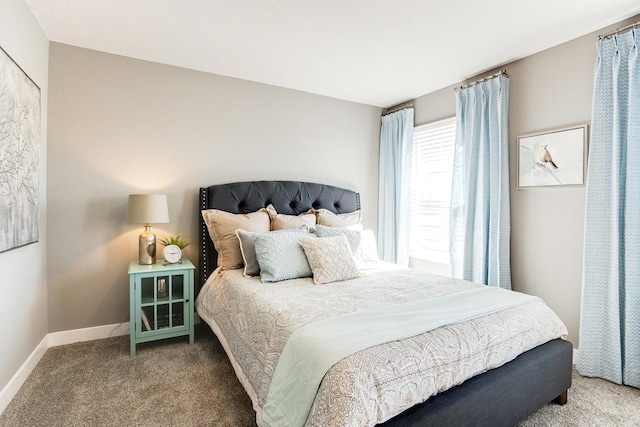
(500, 397)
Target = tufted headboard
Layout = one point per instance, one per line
(287, 197)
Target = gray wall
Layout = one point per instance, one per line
(549, 90)
(121, 126)
(23, 304)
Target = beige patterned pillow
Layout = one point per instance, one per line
(285, 222)
(222, 228)
(330, 259)
(330, 219)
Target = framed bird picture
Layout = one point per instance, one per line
(552, 158)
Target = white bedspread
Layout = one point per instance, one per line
(254, 320)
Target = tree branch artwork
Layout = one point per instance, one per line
(19, 156)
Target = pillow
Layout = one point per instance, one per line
(280, 257)
(222, 228)
(248, 248)
(328, 218)
(284, 222)
(330, 259)
(362, 243)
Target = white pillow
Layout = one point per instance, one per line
(280, 257)
(330, 259)
(362, 243)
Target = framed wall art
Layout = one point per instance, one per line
(552, 158)
(19, 156)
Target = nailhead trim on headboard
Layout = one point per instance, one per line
(203, 241)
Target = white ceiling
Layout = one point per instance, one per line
(376, 52)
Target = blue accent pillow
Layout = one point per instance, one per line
(281, 257)
(248, 248)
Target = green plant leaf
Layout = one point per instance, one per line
(175, 239)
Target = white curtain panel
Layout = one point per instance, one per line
(610, 315)
(480, 226)
(396, 140)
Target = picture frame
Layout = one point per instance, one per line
(19, 155)
(552, 158)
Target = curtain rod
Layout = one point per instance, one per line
(484, 79)
(618, 31)
(397, 107)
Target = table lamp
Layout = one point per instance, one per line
(147, 209)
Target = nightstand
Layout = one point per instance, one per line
(160, 301)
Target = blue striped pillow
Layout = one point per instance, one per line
(281, 257)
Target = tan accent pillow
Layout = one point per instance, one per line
(286, 222)
(222, 228)
(328, 218)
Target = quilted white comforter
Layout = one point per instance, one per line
(253, 321)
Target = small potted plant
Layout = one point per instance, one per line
(173, 246)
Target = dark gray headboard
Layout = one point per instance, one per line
(288, 197)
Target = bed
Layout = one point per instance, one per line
(503, 395)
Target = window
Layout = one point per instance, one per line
(433, 146)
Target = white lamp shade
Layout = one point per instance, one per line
(147, 209)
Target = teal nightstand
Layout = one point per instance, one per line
(161, 301)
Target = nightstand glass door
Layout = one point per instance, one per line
(162, 303)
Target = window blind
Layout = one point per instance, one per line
(433, 146)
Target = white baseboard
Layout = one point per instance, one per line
(14, 384)
(88, 334)
(54, 339)
(575, 356)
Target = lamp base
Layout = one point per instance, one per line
(147, 247)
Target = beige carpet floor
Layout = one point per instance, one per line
(170, 383)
